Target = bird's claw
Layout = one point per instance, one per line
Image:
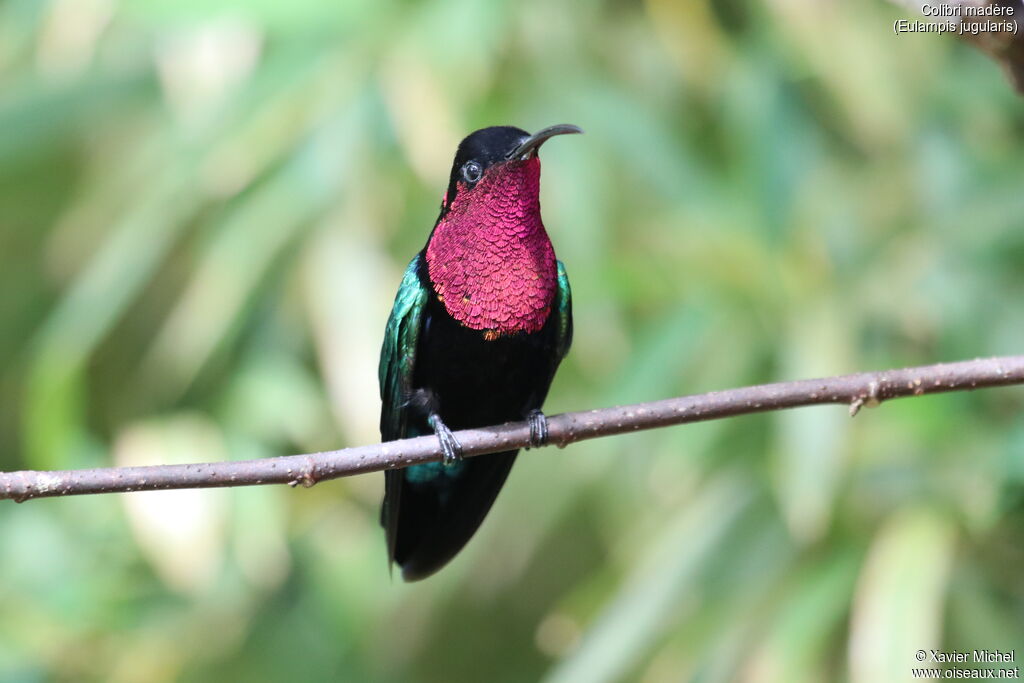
(538, 429)
(451, 449)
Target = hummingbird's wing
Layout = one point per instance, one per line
(398, 353)
(397, 361)
(563, 309)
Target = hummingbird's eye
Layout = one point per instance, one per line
(472, 172)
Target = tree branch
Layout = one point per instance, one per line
(865, 389)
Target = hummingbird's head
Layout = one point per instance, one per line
(492, 161)
(489, 258)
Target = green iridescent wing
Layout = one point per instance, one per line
(563, 309)
(398, 354)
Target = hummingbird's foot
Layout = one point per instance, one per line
(538, 429)
(451, 449)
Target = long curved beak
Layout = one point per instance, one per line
(530, 145)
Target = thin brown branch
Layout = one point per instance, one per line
(864, 389)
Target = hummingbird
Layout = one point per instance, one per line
(481, 321)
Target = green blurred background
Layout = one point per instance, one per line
(204, 214)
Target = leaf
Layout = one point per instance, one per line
(900, 596)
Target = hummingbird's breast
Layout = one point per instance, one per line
(490, 261)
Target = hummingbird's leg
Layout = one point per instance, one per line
(426, 402)
(538, 428)
(450, 446)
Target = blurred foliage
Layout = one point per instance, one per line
(204, 213)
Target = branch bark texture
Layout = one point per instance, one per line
(856, 391)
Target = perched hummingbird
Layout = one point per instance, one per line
(480, 323)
